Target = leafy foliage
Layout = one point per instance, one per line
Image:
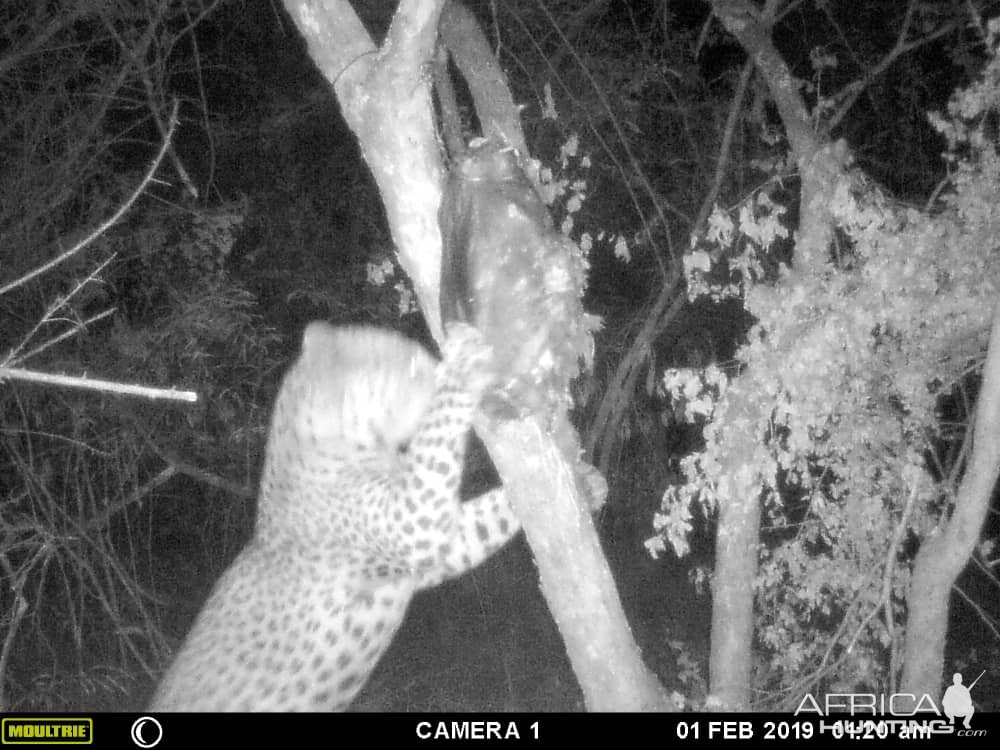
(835, 412)
(78, 475)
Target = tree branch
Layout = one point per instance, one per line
(93, 384)
(102, 228)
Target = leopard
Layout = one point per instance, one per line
(358, 508)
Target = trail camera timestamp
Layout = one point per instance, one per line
(744, 730)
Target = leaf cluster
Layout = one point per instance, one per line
(834, 420)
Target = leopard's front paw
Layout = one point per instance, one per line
(467, 358)
(593, 486)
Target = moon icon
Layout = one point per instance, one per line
(155, 735)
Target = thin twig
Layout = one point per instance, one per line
(852, 91)
(57, 304)
(725, 150)
(885, 596)
(984, 616)
(142, 71)
(71, 381)
(890, 568)
(16, 581)
(102, 228)
(54, 306)
(102, 518)
(65, 335)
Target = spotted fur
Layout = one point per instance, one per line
(358, 509)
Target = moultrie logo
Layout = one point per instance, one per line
(47, 730)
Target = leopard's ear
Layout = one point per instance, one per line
(362, 348)
(318, 333)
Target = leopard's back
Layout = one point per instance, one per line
(280, 634)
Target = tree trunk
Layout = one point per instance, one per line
(573, 573)
(944, 554)
(730, 670)
(733, 584)
(386, 100)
